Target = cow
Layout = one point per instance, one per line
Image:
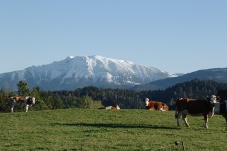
(23, 100)
(116, 107)
(200, 107)
(221, 109)
(153, 105)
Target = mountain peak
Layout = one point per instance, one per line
(80, 71)
(71, 57)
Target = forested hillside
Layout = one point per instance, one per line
(93, 97)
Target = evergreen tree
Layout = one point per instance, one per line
(85, 102)
(23, 88)
(36, 92)
(57, 102)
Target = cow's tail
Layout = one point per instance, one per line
(176, 113)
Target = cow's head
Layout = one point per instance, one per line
(12, 99)
(30, 99)
(165, 107)
(146, 101)
(117, 106)
(216, 101)
(211, 101)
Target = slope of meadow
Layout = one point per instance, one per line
(81, 129)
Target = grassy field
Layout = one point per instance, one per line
(128, 130)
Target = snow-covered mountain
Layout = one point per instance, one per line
(81, 71)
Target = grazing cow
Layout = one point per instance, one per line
(153, 105)
(115, 107)
(27, 101)
(204, 107)
(221, 109)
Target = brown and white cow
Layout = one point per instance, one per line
(199, 107)
(115, 107)
(153, 105)
(23, 100)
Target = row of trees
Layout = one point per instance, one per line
(45, 100)
(93, 97)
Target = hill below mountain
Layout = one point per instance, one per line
(216, 74)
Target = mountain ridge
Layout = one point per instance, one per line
(80, 71)
(214, 74)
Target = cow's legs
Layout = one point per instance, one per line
(206, 121)
(184, 117)
(178, 121)
(12, 107)
(27, 107)
(178, 114)
(185, 120)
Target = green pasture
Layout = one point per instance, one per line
(108, 130)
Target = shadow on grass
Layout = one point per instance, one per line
(100, 125)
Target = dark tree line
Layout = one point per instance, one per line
(93, 97)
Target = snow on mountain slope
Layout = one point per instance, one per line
(81, 71)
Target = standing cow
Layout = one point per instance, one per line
(153, 105)
(27, 101)
(200, 107)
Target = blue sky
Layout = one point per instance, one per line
(176, 36)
